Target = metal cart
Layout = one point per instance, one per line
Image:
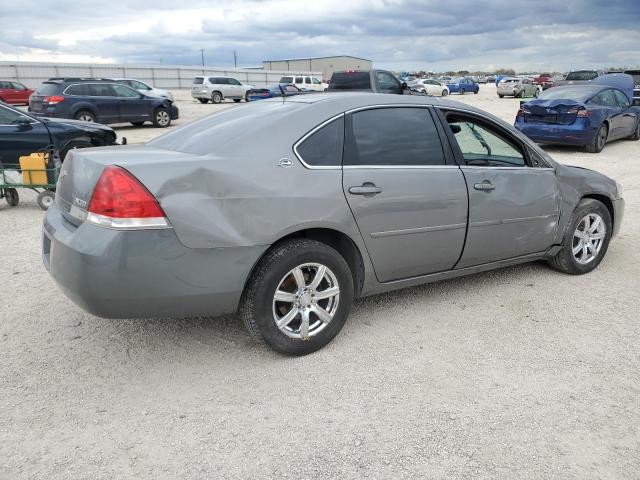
(42, 181)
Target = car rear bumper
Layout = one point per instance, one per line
(144, 273)
(577, 134)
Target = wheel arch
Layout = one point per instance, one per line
(606, 201)
(336, 239)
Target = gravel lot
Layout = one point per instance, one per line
(518, 373)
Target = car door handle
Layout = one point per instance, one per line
(486, 186)
(367, 189)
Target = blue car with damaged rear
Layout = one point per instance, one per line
(586, 116)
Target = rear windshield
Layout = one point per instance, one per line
(286, 80)
(198, 81)
(582, 75)
(565, 93)
(48, 89)
(350, 81)
(213, 133)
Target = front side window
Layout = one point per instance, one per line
(484, 146)
(125, 92)
(139, 85)
(393, 137)
(233, 81)
(323, 148)
(18, 86)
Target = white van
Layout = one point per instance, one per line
(304, 82)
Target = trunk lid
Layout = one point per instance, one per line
(556, 111)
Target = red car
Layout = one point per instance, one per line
(14, 93)
(545, 80)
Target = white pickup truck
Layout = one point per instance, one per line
(304, 82)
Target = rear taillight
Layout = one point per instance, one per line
(53, 99)
(120, 201)
(583, 114)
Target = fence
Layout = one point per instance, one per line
(33, 74)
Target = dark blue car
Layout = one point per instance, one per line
(280, 90)
(583, 115)
(100, 100)
(463, 85)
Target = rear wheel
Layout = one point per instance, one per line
(216, 97)
(597, 144)
(203, 100)
(298, 298)
(45, 199)
(501, 96)
(12, 197)
(85, 116)
(586, 240)
(161, 118)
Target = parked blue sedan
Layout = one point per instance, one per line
(587, 116)
(463, 85)
(279, 90)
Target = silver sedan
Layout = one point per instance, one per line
(285, 211)
(517, 87)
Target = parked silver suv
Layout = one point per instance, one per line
(217, 89)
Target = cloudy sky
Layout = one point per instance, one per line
(398, 34)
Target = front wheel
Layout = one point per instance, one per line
(445, 93)
(586, 240)
(161, 118)
(12, 197)
(246, 97)
(45, 199)
(298, 297)
(597, 144)
(85, 116)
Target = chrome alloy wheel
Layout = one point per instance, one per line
(162, 117)
(588, 238)
(86, 118)
(306, 300)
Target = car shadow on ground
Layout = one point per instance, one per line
(227, 335)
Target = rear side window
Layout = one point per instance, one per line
(101, 90)
(286, 80)
(350, 81)
(299, 79)
(77, 90)
(198, 81)
(48, 89)
(394, 137)
(323, 148)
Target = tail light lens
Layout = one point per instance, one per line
(120, 201)
(53, 99)
(583, 113)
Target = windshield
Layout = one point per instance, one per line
(568, 93)
(582, 75)
(350, 81)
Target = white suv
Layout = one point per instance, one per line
(217, 89)
(304, 82)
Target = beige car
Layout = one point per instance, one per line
(517, 87)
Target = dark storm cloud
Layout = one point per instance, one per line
(415, 33)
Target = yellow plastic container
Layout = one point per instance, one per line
(34, 168)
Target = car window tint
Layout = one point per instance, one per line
(394, 136)
(582, 75)
(299, 79)
(101, 90)
(233, 81)
(4, 85)
(605, 98)
(622, 99)
(198, 81)
(48, 89)
(76, 90)
(483, 146)
(316, 81)
(18, 86)
(307, 80)
(350, 81)
(124, 91)
(138, 85)
(11, 117)
(324, 147)
(286, 80)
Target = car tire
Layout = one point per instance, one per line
(216, 97)
(445, 93)
(462, 91)
(246, 97)
(85, 116)
(12, 197)
(599, 140)
(203, 100)
(137, 124)
(536, 94)
(636, 134)
(73, 146)
(45, 199)
(475, 92)
(566, 260)
(501, 96)
(260, 310)
(161, 118)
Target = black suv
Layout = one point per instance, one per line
(22, 134)
(100, 100)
